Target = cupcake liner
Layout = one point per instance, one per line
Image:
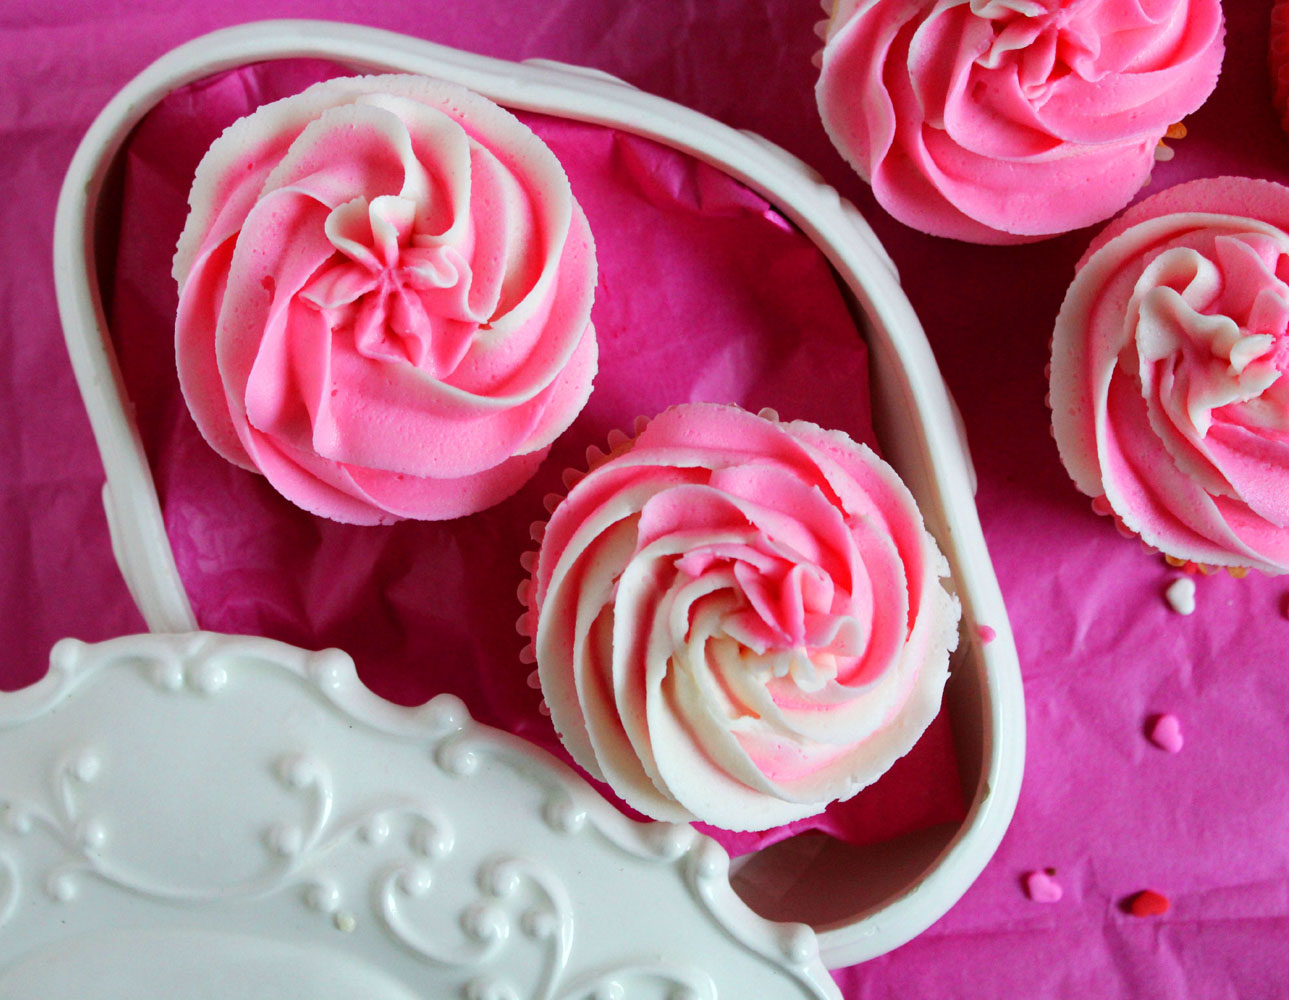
(1101, 506)
(822, 28)
(616, 441)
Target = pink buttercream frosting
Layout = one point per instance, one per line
(385, 287)
(1000, 121)
(739, 620)
(1168, 396)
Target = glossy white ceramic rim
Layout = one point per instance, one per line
(929, 433)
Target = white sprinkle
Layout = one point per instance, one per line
(1181, 595)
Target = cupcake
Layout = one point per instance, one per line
(385, 288)
(738, 620)
(1169, 402)
(1004, 121)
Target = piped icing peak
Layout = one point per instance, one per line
(1168, 396)
(1001, 121)
(385, 287)
(739, 620)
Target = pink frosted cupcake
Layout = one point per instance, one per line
(739, 620)
(384, 299)
(1169, 401)
(1002, 121)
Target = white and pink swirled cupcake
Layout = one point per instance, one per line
(739, 620)
(1169, 399)
(385, 287)
(1002, 121)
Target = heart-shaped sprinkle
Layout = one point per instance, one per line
(1042, 888)
(1149, 903)
(1166, 733)
(1181, 595)
(986, 633)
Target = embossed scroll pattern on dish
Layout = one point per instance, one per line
(238, 817)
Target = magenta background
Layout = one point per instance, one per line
(1100, 651)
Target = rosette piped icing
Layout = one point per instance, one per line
(739, 620)
(385, 287)
(1000, 121)
(1170, 404)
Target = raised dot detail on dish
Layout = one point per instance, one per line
(209, 678)
(285, 840)
(415, 880)
(92, 835)
(85, 768)
(62, 888)
(538, 924)
(1181, 595)
(17, 820)
(168, 676)
(375, 831)
(324, 897)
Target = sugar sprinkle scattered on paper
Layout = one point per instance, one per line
(1041, 887)
(1166, 732)
(1181, 595)
(1148, 903)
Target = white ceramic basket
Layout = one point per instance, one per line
(862, 901)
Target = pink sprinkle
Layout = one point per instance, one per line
(1042, 888)
(986, 633)
(1166, 733)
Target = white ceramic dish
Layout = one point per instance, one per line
(213, 816)
(863, 902)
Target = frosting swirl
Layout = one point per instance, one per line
(739, 620)
(1168, 399)
(384, 299)
(998, 121)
